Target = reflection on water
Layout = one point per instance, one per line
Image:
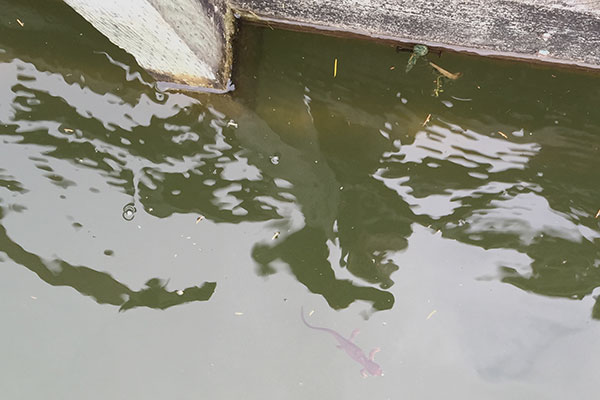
(102, 287)
(334, 182)
(360, 166)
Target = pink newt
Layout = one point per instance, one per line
(355, 352)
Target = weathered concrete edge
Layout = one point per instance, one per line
(568, 44)
(225, 26)
(334, 31)
(189, 43)
(184, 42)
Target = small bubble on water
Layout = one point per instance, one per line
(274, 159)
(129, 211)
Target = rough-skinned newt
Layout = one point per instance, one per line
(355, 352)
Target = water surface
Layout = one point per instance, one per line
(161, 245)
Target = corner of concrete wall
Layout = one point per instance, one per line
(185, 42)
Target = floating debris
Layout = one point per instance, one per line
(311, 313)
(335, 68)
(419, 50)
(598, 214)
(431, 314)
(238, 313)
(232, 123)
(393, 67)
(68, 130)
(439, 80)
(503, 135)
(275, 236)
(33, 297)
(461, 98)
(438, 86)
(445, 73)
(20, 23)
(427, 119)
(180, 292)
(200, 218)
(274, 159)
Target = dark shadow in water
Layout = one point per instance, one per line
(100, 286)
(305, 251)
(199, 186)
(533, 194)
(156, 295)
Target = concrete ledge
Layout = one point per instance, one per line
(181, 41)
(552, 31)
(188, 42)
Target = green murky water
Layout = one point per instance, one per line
(159, 245)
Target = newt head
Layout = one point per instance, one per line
(373, 368)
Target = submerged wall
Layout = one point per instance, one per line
(189, 41)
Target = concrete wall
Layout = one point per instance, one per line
(189, 41)
(181, 41)
(554, 31)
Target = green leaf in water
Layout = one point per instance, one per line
(419, 50)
